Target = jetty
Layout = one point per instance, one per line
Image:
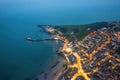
(36, 40)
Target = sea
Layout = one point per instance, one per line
(23, 60)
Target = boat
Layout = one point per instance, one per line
(28, 38)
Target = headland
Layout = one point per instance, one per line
(89, 52)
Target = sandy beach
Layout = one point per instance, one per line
(54, 73)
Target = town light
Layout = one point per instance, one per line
(68, 49)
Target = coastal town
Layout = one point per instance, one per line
(95, 57)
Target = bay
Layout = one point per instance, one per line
(21, 59)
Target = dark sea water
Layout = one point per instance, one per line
(20, 59)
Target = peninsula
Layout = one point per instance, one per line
(88, 52)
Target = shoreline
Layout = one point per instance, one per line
(55, 71)
(59, 71)
(75, 53)
(57, 68)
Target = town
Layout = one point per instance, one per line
(95, 57)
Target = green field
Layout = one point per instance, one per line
(80, 31)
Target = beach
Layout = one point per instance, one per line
(54, 73)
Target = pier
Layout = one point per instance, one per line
(36, 40)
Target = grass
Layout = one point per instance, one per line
(80, 31)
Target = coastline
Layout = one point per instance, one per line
(75, 52)
(54, 73)
(57, 67)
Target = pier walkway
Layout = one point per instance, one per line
(36, 40)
